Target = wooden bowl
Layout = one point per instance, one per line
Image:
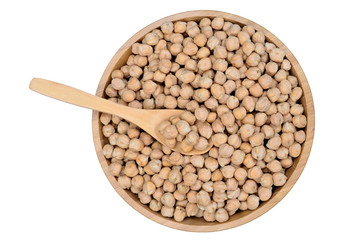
(199, 224)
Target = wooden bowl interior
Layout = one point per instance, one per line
(199, 224)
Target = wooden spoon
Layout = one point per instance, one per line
(148, 120)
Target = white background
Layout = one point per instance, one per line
(51, 184)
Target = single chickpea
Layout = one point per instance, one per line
(287, 162)
(168, 199)
(115, 168)
(250, 186)
(117, 74)
(232, 205)
(287, 139)
(274, 166)
(229, 87)
(296, 94)
(216, 175)
(213, 42)
(282, 152)
(145, 50)
(299, 136)
(288, 128)
(253, 73)
(257, 139)
(183, 127)
(228, 119)
(136, 144)
(228, 171)
(149, 188)
(108, 150)
(201, 114)
(246, 131)
(221, 215)
(202, 144)
(130, 169)
(277, 55)
(300, 121)
(295, 150)
(179, 214)
(285, 87)
(167, 211)
(253, 202)
(204, 64)
(201, 95)
(180, 27)
(253, 59)
(124, 182)
(276, 119)
(170, 131)
(217, 23)
(220, 65)
(203, 198)
(279, 179)
(266, 180)
(205, 130)
(248, 103)
(155, 205)
(142, 160)
(157, 181)
(225, 150)
(248, 47)
(220, 52)
(191, 209)
(297, 109)
(239, 113)
(258, 152)
(168, 186)
(237, 61)
(232, 43)
(204, 174)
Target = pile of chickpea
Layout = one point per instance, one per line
(238, 91)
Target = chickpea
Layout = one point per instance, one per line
(296, 94)
(277, 55)
(155, 205)
(217, 23)
(228, 171)
(232, 43)
(167, 211)
(295, 150)
(221, 215)
(253, 202)
(179, 214)
(287, 139)
(201, 144)
(220, 65)
(300, 121)
(216, 175)
(287, 162)
(248, 47)
(299, 136)
(225, 150)
(201, 114)
(285, 87)
(115, 168)
(130, 169)
(279, 179)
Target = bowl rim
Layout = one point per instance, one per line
(278, 194)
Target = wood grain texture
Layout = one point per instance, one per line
(197, 224)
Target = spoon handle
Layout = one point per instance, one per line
(77, 97)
